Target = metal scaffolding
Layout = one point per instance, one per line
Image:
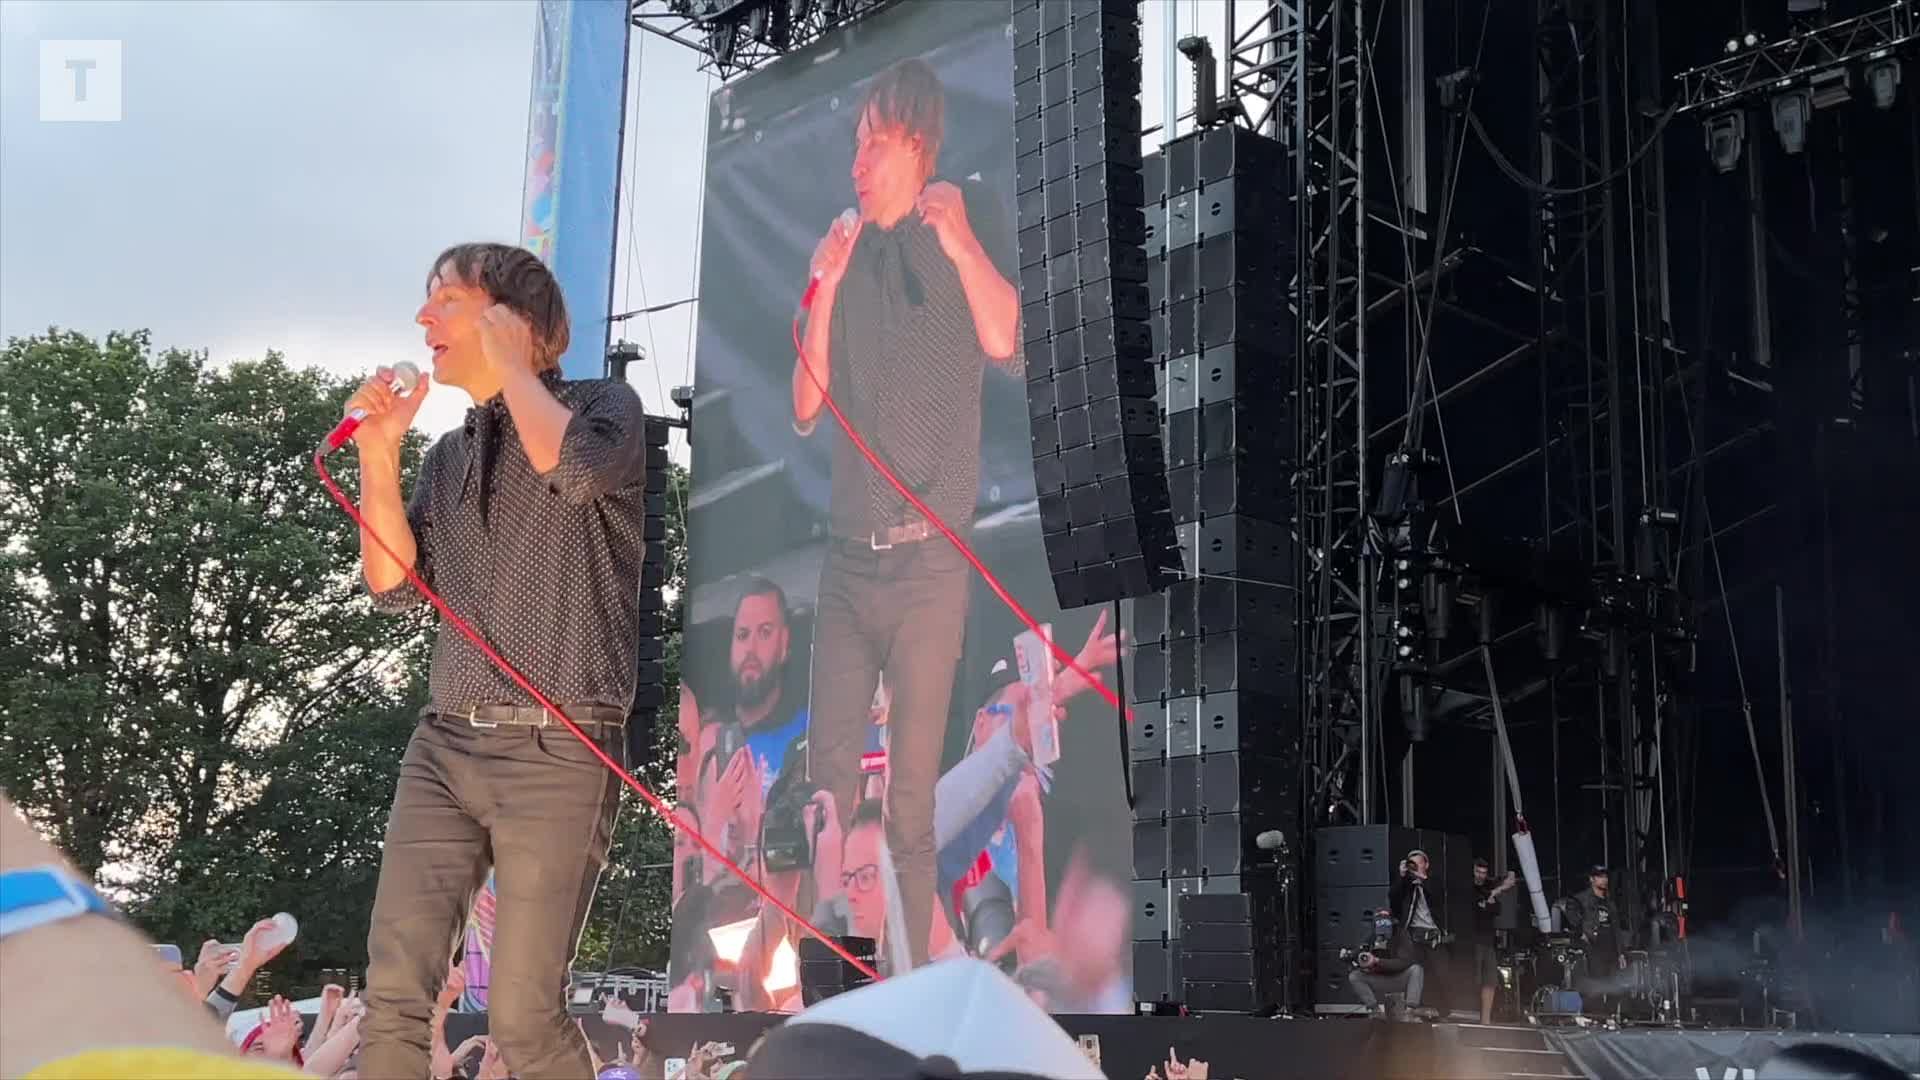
(1298, 73)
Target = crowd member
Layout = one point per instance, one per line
(1078, 964)
(771, 717)
(277, 1038)
(155, 1035)
(257, 950)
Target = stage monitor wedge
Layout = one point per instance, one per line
(1099, 465)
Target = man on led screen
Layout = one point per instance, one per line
(908, 309)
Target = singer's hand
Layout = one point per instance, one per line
(944, 209)
(835, 250)
(388, 414)
(506, 340)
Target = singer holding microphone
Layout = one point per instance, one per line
(528, 522)
(910, 301)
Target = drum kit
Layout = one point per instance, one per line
(1551, 977)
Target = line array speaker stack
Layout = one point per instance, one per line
(649, 691)
(1098, 463)
(1355, 868)
(1215, 745)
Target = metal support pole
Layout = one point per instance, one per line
(1789, 763)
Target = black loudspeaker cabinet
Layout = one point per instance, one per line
(649, 692)
(1237, 952)
(1099, 466)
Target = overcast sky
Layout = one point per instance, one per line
(283, 172)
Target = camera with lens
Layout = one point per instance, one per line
(987, 916)
(787, 839)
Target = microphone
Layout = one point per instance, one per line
(848, 220)
(405, 378)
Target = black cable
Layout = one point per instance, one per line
(1120, 710)
(1412, 436)
(1506, 166)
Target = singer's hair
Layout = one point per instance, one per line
(908, 96)
(517, 278)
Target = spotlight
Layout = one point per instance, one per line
(723, 40)
(1883, 76)
(1831, 87)
(1732, 46)
(1751, 40)
(1790, 111)
(1725, 134)
(1413, 706)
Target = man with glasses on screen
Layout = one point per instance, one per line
(909, 309)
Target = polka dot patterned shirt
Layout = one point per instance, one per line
(545, 567)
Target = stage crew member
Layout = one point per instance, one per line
(1486, 907)
(527, 521)
(909, 310)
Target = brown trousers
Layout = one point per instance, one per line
(536, 807)
(903, 612)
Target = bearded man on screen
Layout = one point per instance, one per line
(528, 522)
(909, 309)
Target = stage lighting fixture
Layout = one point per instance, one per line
(1732, 46)
(1831, 87)
(1725, 134)
(1883, 77)
(1806, 7)
(724, 38)
(681, 396)
(1437, 601)
(1550, 630)
(1413, 708)
(1751, 40)
(1790, 112)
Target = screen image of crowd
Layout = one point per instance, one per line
(864, 726)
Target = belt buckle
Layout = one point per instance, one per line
(473, 719)
(873, 543)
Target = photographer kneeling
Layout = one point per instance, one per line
(1385, 964)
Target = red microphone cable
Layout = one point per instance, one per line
(659, 805)
(1106, 693)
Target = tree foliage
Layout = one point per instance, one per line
(199, 706)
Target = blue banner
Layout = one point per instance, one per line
(571, 194)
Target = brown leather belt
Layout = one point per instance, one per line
(911, 533)
(493, 716)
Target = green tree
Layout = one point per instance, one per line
(199, 706)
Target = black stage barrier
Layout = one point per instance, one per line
(1630, 1055)
(1234, 1047)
